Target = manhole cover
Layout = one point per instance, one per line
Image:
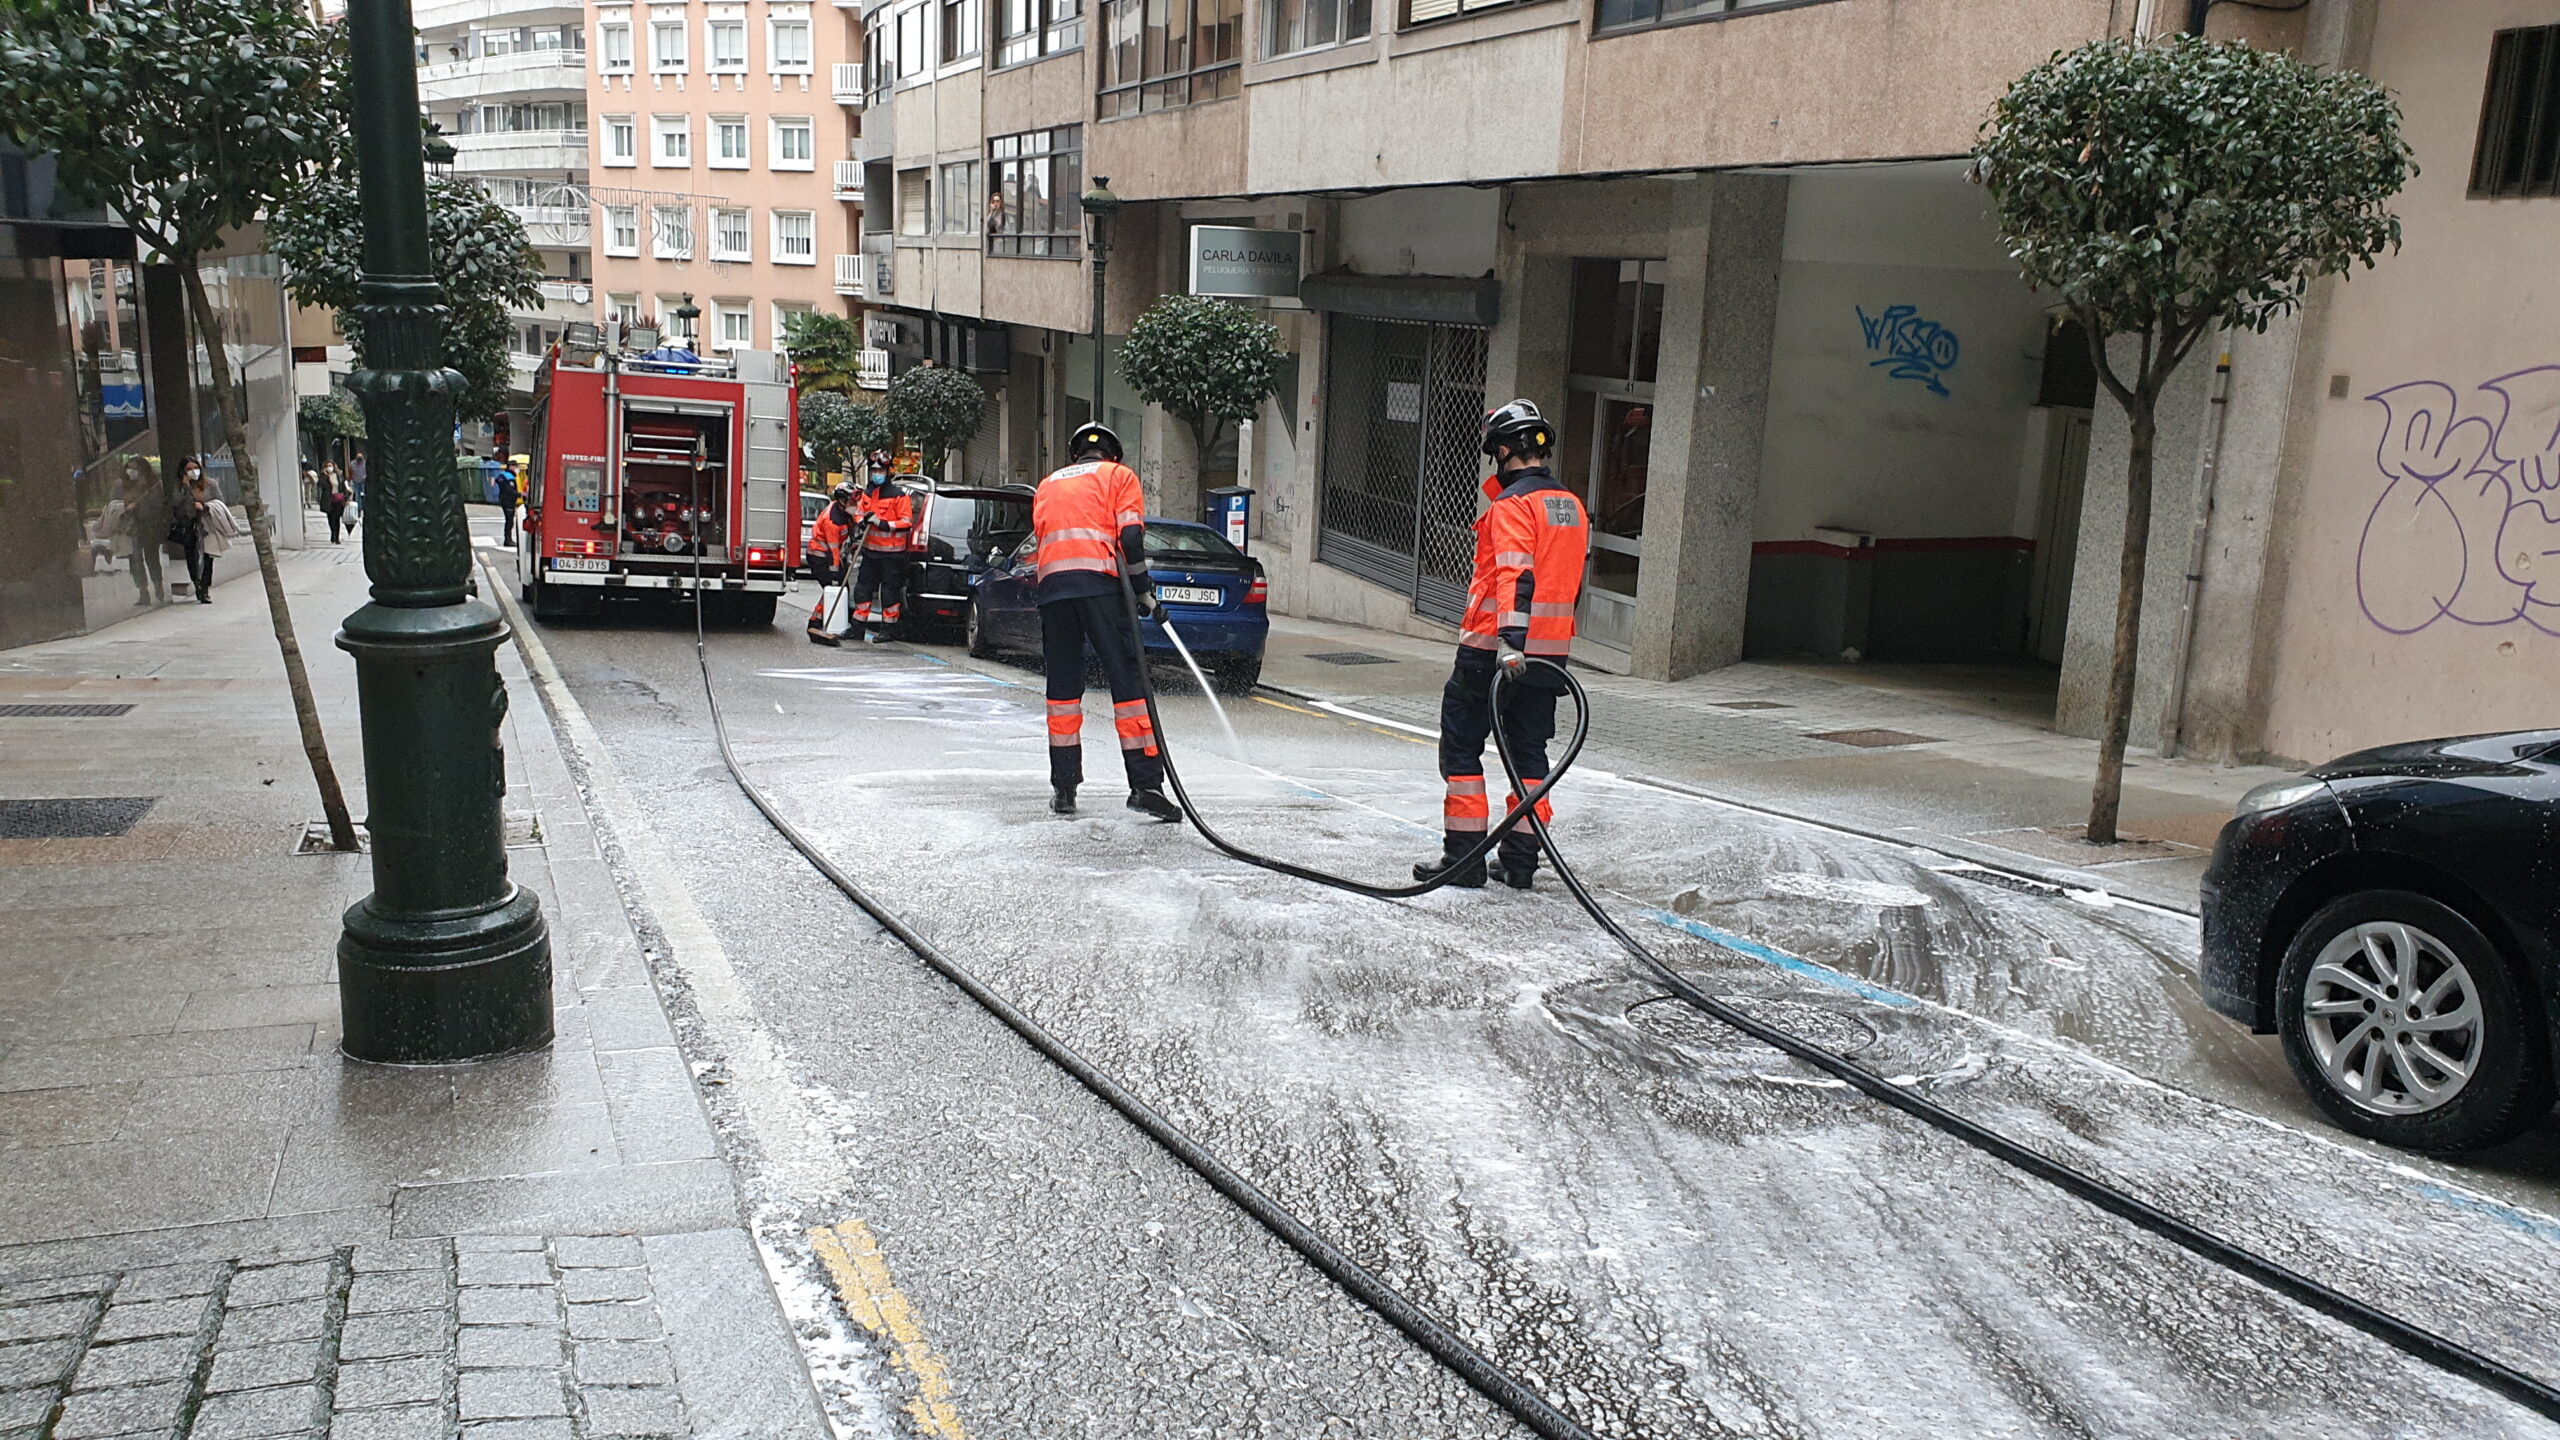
(1751, 705)
(1351, 657)
(1684, 1024)
(98, 818)
(61, 712)
(1875, 739)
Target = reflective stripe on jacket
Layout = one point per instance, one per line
(1531, 547)
(891, 515)
(831, 534)
(1079, 514)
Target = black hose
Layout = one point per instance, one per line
(1443, 1344)
(2424, 1345)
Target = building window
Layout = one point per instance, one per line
(915, 201)
(728, 142)
(1035, 185)
(880, 55)
(789, 40)
(1617, 318)
(2519, 148)
(1029, 29)
(671, 232)
(1613, 14)
(961, 22)
(625, 309)
(960, 198)
(736, 320)
(1166, 53)
(622, 229)
(666, 47)
(1290, 26)
(783, 310)
(674, 140)
(613, 48)
(910, 23)
(729, 235)
(621, 140)
(795, 237)
(728, 46)
(794, 143)
(672, 325)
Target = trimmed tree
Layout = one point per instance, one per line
(2165, 191)
(825, 351)
(936, 408)
(189, 119)
(837, 431)
(1209, 363)
(481, 258)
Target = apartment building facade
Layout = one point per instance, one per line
(505, 83)
(1731, 245)
(722, 134)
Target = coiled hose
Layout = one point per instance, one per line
(2420, 1344)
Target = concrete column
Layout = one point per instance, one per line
(1719, 317)
(171, 362)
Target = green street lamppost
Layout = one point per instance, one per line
(1099, 206)
(684, 315)
(447, 959)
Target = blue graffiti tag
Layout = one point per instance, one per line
(1916, 349)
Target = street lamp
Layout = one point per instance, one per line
(447, 959)
(685, 314)
(1099, 206)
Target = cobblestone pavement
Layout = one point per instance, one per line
(490, 1337)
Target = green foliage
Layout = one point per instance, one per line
(2163, 189)
(826, 348)
(1209, 362)
(333, 416)
(481, 259)
(837, 431)
(936, 408)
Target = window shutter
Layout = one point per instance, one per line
(1421, 10)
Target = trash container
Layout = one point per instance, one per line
(1231, 512)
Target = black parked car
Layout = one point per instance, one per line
(964, 528)
(2395, 914)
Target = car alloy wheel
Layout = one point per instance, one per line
(975, 634)
(2394, 1018)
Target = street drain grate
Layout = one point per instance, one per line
(1750, 705)
(1351, 657)
(61, 712)
(1875, 739)
(98, 818)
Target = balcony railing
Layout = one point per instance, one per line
(486, 75)
(848, 85)
(560, 225)
(521, 150)
(569, 292)
(849, 274)
(872, 369)
(848, 179)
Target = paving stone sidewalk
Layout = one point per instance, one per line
(213, 1225)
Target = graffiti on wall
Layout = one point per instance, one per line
(1913, 348)
(2467, 528)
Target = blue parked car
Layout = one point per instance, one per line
(1212, 592)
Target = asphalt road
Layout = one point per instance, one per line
(1669, 1230)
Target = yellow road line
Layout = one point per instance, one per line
(851, 1255)
(1341, 719)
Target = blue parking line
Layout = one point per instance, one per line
(1794, 964)
(2504, 1214)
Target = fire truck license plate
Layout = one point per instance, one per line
(581, 562)
(1188, 594)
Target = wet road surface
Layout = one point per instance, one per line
(1667, 1229)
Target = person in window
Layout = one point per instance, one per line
(995, 210)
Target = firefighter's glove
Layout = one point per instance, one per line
(1513, 663)
(1144, 594)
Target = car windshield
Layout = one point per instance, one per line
(1188, 540)
(966, 517)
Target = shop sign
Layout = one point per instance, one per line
(1234, 263)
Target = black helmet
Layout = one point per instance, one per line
(1518, 428)
(1094, 437)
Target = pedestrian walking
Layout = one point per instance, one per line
(1531, 545)
(1089, 527)
(888, 519)
(355, 485)
(510, 495)
(139, 529)
(185, 534)
(334, 500)
(214, 530)
(831, 539)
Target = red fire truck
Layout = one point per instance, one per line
(653, 471)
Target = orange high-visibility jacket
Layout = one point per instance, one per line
(830, 535)
(1080, 517)
(1531, 546)
(891, 515)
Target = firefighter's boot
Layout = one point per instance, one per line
(1518, 860)
(1062, 800)
(1156, 803)
(1454, 844)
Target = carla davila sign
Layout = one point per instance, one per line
(1234, 263)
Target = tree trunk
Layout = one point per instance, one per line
(315, 745)
(2107, 798)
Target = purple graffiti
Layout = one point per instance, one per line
(2467, 527)
(1914, 348)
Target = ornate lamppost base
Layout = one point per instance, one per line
(442, 991)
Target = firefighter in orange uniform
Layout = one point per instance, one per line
(1531, 545)
(1089, 524)
(888, 517)
(830, 549)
